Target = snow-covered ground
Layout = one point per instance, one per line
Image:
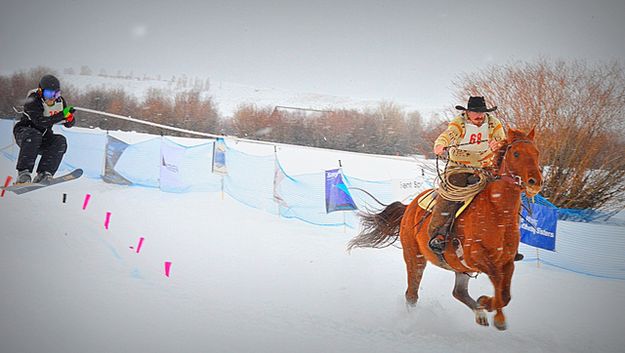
(229, 96)
(246, 281)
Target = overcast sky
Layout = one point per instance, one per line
(394, 50)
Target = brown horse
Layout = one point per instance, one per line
(488, 231)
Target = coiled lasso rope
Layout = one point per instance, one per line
(451, 192)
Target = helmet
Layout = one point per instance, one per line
(50, 82)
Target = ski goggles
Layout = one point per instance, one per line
(51, 94)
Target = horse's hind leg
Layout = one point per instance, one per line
(461, 292)
(415, 264)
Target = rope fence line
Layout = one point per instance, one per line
(235, 138)
(128, 118)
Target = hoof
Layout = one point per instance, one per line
(480, 317)
(484, 301)
(501, 326)
(411, 299)
(500, 321)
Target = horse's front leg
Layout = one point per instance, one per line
(461, 292)
(501, 280)
(504, 295)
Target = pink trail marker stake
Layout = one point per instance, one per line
(87, 198)
(140, 244)
(167, 268)
(6, 183)
(107, 220)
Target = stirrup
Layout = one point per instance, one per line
(437, 244)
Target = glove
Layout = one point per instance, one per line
(68, 110)
(69, 121)
(68, 113)
(439, 149)
(495, 145)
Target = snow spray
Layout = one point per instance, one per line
(87, 198)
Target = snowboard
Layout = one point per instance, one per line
(28, 187)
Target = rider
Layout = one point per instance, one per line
(477, 135)
(43, 108)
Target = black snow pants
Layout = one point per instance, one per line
(32, 142)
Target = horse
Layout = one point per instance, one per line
(487, 231)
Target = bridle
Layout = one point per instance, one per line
(505, 173)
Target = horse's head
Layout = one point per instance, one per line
(520, 161)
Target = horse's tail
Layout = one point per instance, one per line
(379, 230)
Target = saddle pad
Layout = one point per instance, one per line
(428, 200)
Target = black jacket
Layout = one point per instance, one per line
(33, 114)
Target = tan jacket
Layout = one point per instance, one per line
(470, 153)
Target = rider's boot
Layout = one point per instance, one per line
(442, 218)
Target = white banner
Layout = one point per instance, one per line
(171, 157)
(278, 176)
(407, 189)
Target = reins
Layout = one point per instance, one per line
(504, 170)
(507, 175)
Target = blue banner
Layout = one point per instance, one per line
(114, 150)
(219, 157)
(338, 197)
(539, 229)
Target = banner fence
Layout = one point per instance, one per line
(595, 249)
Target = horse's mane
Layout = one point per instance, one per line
(512, 136)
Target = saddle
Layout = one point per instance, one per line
(428, 200)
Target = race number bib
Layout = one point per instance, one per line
(475, 138)
(55, 108)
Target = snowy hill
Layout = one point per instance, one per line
(243, 280)
(229, 96)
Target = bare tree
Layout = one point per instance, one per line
(193, 112)
(415, 131)
(579, 113)
(13, 88)
(252, 121)
(392, 128)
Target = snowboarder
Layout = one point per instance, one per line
(43, 108)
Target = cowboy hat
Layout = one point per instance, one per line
(477, 104)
